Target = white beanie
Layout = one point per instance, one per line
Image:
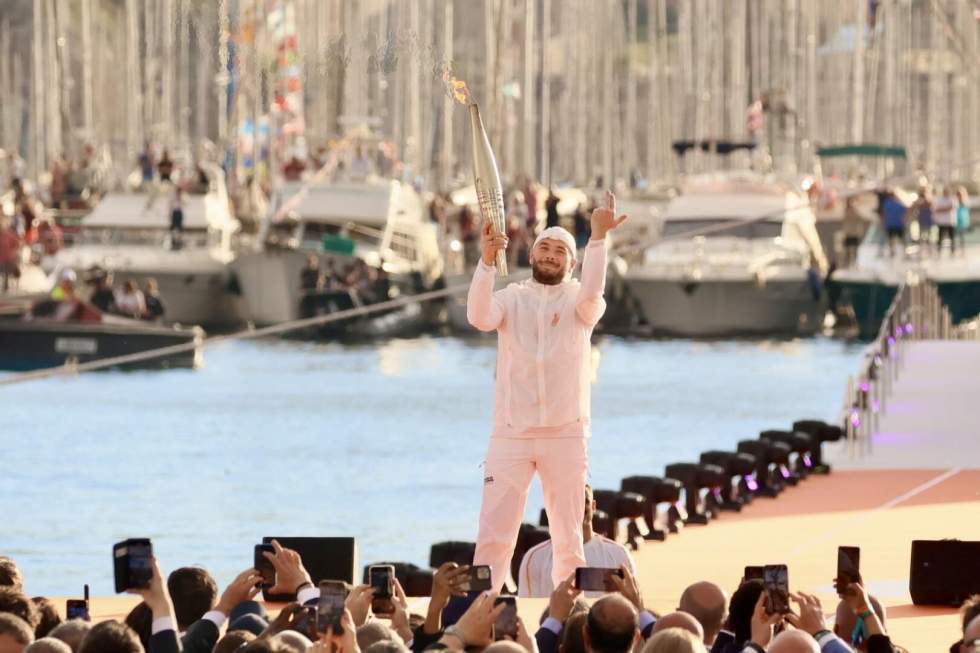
(560, 234)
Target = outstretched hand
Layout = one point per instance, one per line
(604, 219)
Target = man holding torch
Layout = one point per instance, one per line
(541, 417)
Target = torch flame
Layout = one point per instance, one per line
(456, 87)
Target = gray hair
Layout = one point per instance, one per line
(48, 645)
(71, 632)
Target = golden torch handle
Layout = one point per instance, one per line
(486, 178)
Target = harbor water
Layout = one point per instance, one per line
(382, 441)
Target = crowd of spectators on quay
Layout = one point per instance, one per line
(185, 611)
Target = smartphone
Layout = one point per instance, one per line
(848, 568)
(776, 581)
(505, 627)
(752, 572)
(330, 608)
(382, 580)
(596, 579)
(132, 564)
(77, 609)
(476, 579)
(264, 566)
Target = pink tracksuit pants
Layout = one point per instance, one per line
(562, 465)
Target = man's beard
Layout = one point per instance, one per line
(547, 277)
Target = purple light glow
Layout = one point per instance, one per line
(865, 386)
(751, 484)
(891, 341)
(898, 331)
(909, 328)
(875, 405)
(855, 419)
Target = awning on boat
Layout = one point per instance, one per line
(863, 149)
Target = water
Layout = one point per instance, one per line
(382, 442)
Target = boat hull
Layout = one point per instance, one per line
(870, 299)
(39, 344)
(717, 308)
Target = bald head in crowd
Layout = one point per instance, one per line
(15, 633)
(612, 625)
(680, 620)
(793, 641)
(48, 645)
(71, 632)
(970, 633)
(707, 603)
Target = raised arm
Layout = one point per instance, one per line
(483, 309)
(590, 305)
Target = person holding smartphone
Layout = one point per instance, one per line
(541, 416)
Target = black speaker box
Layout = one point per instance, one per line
(944, 572)
(326, 558)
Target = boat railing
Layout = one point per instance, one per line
(916, 313)
(110, 237)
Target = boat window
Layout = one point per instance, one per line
(313, 232)
(403, 244)
(760, 229)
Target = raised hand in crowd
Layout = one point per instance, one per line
(244, 588)
(358, 604)
(475, 627)
(524, 639)
(344, 642)
(563, 599)
(291, 575)
(156, 595)
(290, 617)
(628, 587)
(445, 584)
(762, 623)
(399, 618)
(859, 602)
(811, 617)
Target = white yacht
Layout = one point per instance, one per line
(380, 222)
(129, 235)
(752, 264)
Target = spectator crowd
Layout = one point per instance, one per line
(186, 612)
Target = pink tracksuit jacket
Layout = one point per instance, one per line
(541, 411)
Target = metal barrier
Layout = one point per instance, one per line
(916, 313)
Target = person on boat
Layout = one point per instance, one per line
(130, 301)
(176, 216)
(310, 278)
(155, 309)
(922, 209)
(10, 246)
(103, 297)
(542, 397)
(145, 163)
(893, 213)
(165, 166)
(69, 306)
(962, 216)
(854, 225)
(944, 214)
(66, 285)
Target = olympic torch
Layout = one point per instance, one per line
(487, 181)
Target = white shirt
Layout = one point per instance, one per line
(944, 211)
(534, 577)
(544, 366)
